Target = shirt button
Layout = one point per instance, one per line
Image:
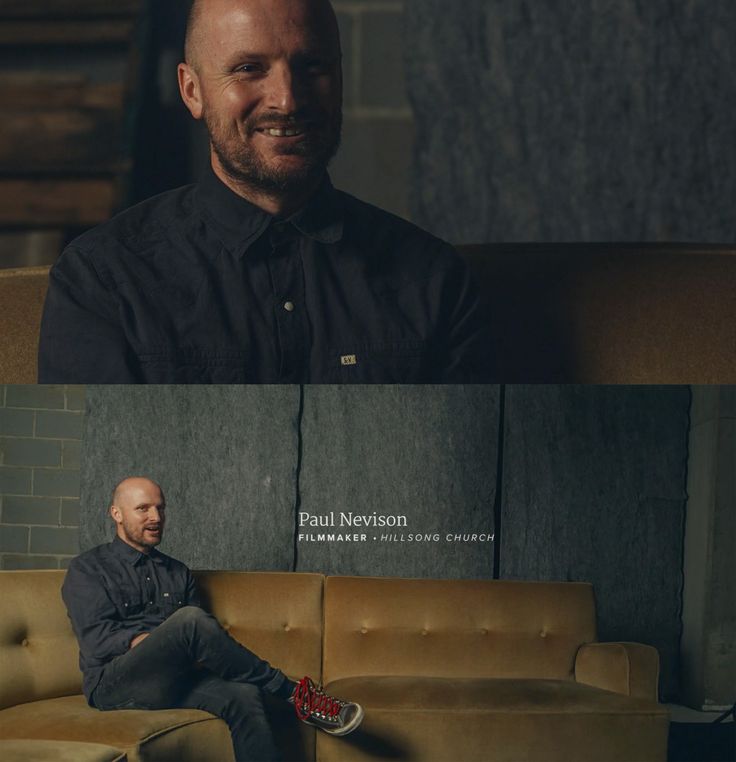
(289, 306)
(148, 579)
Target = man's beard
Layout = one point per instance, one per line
(245, 165)
(130, 533)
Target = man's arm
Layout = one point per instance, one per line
(192, 594)
(81, 340)
(469, 352)
(100, 631)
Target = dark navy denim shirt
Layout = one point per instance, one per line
(113, 593)
(198, 285)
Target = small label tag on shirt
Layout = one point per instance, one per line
(348, 360)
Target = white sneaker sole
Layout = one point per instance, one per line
(345, 729)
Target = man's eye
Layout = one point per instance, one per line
(249, 68)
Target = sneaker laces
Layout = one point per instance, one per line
(310, 699)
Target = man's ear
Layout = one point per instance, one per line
(117, 516)
(190, 90)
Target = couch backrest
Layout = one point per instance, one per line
(276, 615)
(39, 657)
(22, 293)
(454, 628)
(610, 313)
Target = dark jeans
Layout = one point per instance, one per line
(189, 661)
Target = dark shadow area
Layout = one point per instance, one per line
(162, 123)
(702, 742)
(374, 745)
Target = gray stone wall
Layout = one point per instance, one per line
(427, 454)
(594, 488)
(240, 464)
(709, 593)
(573, 121)
(40, 439)
(224, 455)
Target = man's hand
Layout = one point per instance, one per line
(138, 638)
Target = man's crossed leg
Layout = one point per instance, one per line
(189, 661)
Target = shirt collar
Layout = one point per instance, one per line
(128, 553)
(239, 223)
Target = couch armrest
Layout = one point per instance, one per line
(628, 668)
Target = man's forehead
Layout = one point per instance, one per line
(313, 18)
(140, 491)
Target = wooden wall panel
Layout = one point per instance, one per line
(72, 203)
(67, 8)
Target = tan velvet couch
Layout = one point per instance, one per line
(447, 670)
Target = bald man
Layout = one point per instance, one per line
(262, 272)
(146, 643)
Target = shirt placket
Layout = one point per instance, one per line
(287, 277)
(149, 585)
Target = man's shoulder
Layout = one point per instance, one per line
(394, 242)
(173, 563)
(91, 559)
(379, 223)
(142, 226)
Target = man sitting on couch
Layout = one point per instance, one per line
(146, 643)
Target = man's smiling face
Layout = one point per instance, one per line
(139, 512)
(270, 89)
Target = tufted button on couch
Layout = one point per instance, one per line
(446, 669)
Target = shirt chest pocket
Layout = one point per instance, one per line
(192, 367)
(172, 600)
(396, 362)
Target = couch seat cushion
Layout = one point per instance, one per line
(71, 719)
(161, 735)
(495, 719)
(23, 750)
(436, 694)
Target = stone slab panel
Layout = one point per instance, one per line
(225, 456)
(594, 490)
(594, 121)
(382, 82)
(424, 452)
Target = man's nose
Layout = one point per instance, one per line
(285, 90)
(154, 515)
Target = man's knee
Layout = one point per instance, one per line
(188, 613)
(191, 616)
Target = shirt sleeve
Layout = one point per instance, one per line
(81, 339)
(469, 355)
(100, 631)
